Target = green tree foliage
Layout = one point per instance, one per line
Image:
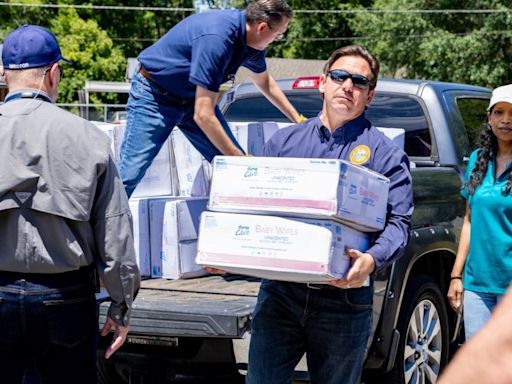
(14, 16)
(465, 47)
(314, 35)
(462, 47)
(93, 54)
(133, 30)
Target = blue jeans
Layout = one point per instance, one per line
(478, 307)
(48, 328)
(330, 325)
(151, 115)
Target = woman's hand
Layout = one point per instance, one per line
(455, 294)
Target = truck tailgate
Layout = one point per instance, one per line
(210, 306)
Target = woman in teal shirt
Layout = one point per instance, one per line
(483, 267)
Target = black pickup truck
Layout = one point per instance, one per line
(203, 325)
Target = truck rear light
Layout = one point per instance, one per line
(306, 82)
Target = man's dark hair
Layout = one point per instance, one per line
(355, 50)
(271, 12)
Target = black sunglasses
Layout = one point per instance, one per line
(340, 75)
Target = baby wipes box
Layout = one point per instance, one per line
(174, 223)
(160, 178)
(319, 188)
(140, 217)
(277, 248)
(179, 238)
(191, 176)
(253, 136)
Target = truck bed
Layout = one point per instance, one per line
(210, 306)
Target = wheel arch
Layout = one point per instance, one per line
(435, 260)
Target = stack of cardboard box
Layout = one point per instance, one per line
(167, 203)
(289, 219)
(325, 200)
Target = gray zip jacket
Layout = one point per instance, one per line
(62, 203)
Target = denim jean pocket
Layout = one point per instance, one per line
(359, 298)
(71, 321)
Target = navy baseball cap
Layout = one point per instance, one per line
(30, 46)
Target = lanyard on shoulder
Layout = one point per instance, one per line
(27, 95)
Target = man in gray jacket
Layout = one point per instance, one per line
(64, 216)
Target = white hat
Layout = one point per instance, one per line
(503, 93)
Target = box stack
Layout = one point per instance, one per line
(289, 219)
(166, 206)
(167, 203)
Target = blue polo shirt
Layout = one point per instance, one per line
(360, 143)
(204, 49)
(488, 267)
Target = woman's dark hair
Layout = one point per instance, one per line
(355, 50)
(271, 12)
(488, 149)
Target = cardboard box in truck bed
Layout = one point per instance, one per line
(174, 223)
(179, 238)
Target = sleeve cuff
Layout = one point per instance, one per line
(210, 87)
(120, 314)
(378, 252)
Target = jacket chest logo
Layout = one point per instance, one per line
(360, 155)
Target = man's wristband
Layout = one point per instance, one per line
(455, 277)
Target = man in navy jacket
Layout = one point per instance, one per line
(332, 323)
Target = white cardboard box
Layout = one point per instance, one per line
(277, 248)
(160, 178)
(192, 180)
(109, 130)
(139, 210)
(156, 220)
(320, 188)
(395, 134)
(156, 230)
(253, 136)
(179, 238)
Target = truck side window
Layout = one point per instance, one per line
(473, 112)
(260, 109)
(403, 112)
(387, 111)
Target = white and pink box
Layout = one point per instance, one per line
(190, 168)
(277, 248)
(317, 188)
(160, 178)
(253, 136)
(109, 130)
(174, 224)
(140, 218)
(179, 238)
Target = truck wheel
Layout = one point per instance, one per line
(424, 335)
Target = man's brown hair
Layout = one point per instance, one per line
(355, 50)
(271, 12)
